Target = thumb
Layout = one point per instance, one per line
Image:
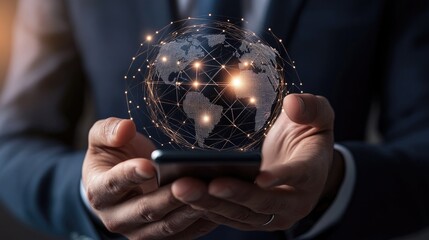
(310, 110)
(292, 174)
(111, 132)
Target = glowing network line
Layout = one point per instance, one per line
(194, 84)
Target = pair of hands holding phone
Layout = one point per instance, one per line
(298, 168)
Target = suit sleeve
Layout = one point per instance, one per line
(40, 106)
(391, 193)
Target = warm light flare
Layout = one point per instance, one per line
(236, 82)
(206, 118)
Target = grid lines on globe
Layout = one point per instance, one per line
(206, 83)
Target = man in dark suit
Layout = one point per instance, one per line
(350, 52)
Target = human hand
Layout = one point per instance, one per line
(122, 189)
(297, 159)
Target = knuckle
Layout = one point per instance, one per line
(93, 199)
(146, 213)
(168, 228)
(112, 225)
(112, 185)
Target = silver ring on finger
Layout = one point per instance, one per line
(269, 220)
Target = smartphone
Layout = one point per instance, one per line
(205, 165)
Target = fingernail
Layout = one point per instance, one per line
(144, 174)
(224, 193)
(115, 127)
(301, 104)
(192, 196)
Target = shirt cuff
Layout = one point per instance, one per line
(341, 201)
(86, 201)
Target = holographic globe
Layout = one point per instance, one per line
(208, 84)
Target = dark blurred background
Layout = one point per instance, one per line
(10, 228)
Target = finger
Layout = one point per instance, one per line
(249, 195)
(221, 220)
(155, 214)
(196, 230)
(294, 173)
(171, 225)
(111, 132)
(310, 110)
(185, 190)
(111, 186)
(285, 204)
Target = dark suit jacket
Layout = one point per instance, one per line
(353, 52)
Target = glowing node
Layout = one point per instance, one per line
(222, 84)
(236, 82)
(205, 118)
